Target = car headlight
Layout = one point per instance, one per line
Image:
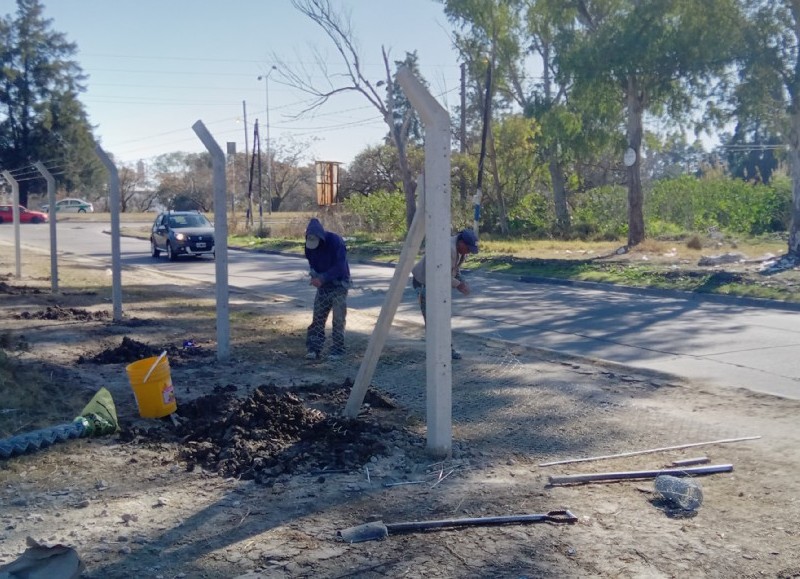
(180, 236)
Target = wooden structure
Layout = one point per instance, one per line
(327, 183)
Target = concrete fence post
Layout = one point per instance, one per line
(438, 363)
(113, 206)
(220, 239)
(15, 217)
(51, 208)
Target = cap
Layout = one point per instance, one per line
(468, 237)
(312, 241)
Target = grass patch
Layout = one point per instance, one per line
(655, 263)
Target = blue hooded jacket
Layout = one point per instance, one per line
(329, 259)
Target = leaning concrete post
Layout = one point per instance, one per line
(15, 216)
(113, 206)
(377, 338)
(220, 239)
(51, 208)
(438, 364)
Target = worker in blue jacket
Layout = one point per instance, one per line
(330, 274)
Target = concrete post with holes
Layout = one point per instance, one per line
(220, 240)
(113, 207)
(51, 209)
(438, 363)
(15, 218)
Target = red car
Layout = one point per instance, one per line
(25, 215)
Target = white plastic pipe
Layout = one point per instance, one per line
(438, 363)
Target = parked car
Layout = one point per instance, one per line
(25, 215)
(182, 233)
(71, 206)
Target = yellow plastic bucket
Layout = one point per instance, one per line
(155, 396)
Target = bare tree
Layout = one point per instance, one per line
(289, 178)
(338, 29)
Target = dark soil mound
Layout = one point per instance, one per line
(276, 431)
(132, 350)
(59, 313)
(17, 290)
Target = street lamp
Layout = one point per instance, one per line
(269, 155)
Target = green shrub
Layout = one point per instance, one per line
(380, 213)
(601, 213)
(533, 215)
(728, 204)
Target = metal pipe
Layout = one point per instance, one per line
(608, 476)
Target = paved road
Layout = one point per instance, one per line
(727, 343)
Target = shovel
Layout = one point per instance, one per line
(378, 530)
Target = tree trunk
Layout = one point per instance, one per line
(794, 154)
(409, 185)
(635, 106)
(559, 194)
(502, 212)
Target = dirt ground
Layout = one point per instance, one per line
(259, 470)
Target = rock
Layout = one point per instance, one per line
(721, 259)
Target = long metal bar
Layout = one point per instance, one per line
(564, 516)
(650, 450)
(634, 474)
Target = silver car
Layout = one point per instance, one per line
(71, 205)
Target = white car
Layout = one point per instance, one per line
(71, 206)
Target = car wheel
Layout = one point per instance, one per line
(153, 249)
(36, 220)
(1, 219)
(81, 210)
(171, 252)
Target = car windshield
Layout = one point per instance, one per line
(178, 221)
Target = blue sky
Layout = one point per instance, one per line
(155, 67)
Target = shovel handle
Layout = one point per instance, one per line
(561, 516)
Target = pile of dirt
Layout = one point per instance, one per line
(15, 290)
(61, 314)
(131, 350)
(275, 431)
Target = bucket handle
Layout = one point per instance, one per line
(153, 367)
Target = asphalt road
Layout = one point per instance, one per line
(726, 342)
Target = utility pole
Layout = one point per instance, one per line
(269, 152)
(257, 152)
(463, 179)
(246, 155)
(487, 118)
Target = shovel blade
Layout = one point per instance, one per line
(374, 531)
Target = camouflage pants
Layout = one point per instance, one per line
(326, 301)
(420, 289)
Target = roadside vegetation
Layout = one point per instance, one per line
(696, 220)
